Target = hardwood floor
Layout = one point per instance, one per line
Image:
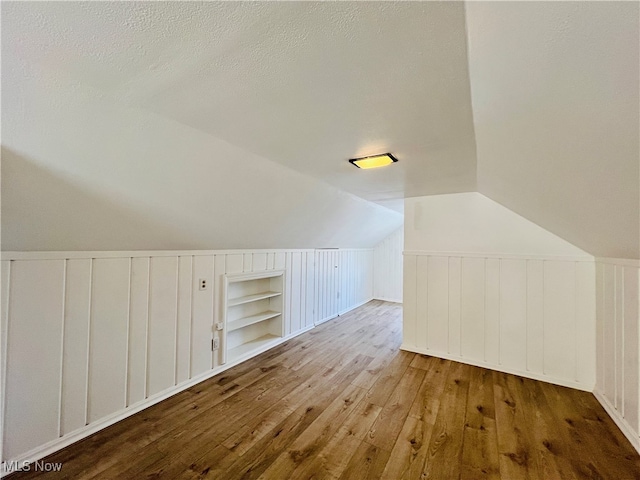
(342, 401)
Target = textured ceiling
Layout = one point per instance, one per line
(547, 91)
(305, 84)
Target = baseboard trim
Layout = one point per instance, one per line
(53, 446)
(500, 368)
(320, 322)
(354, 307)
(390, 300)
(625, 428)
(48, 448)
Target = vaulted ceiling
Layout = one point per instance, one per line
(533, 104)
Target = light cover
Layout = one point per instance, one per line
(374, 161)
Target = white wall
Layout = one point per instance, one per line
(387, 268)
(555, 88)
(530, 316)
(344, 280)
(618, 343)
(92, 337)
(90, 174)
(486, 287)
(471, 222)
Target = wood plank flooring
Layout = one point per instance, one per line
(342, 401)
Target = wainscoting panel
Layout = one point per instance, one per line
(92, 337)
(163, 319)
(617, 330)
(108, 336)
(344, 279)
(529, 316)
(34, 355)
(75, 348)
(387, 268)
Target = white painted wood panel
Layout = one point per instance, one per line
(32, 397)
(455, 284)
(631, 359)
(108, 332)
(138, 331)
(234, 263)
(310, 293)
(353, 279)
(328, 281)
(133, 329)
(422, 311)
(617, 339)
(163, 304)
(473, 312)
(438, 304)
(217, 357)
(75, 354)
(387, 268)
(295, 292)
(527, 316)
(492, 311)
(609, 332)
(410, 301)
(600, 326)
(535, 315)
(259, 262)
(344, 259)
(279, 260)
(559, 320)
(183, 326)
(513, 313)
(5, 282)
(585, 323)
(202, 320)
(247, 262)
(303, 290)
(270, 260)
(286, 315)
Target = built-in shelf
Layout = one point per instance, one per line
(246, 321)
(253, 312)
(252, 298)
(255, 344)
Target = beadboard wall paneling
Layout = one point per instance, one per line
(529, 316)
(617, 334)
(92, 337)
(387, 268)
(345, 280)
(34, 355)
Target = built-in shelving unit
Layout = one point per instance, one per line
(253, 313)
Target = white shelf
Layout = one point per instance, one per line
(252, 298)
(253, 313)
(248, 347)
(246, 321)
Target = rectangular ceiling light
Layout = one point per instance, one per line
(374, 161)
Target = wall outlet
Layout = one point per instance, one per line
(202, 284)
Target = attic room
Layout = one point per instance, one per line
(197, 281)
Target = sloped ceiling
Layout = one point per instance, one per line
(548, 91)
(556, 108)
(305, 84)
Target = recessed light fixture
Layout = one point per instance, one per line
(374, 161)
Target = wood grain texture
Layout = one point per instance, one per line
(342, 401)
